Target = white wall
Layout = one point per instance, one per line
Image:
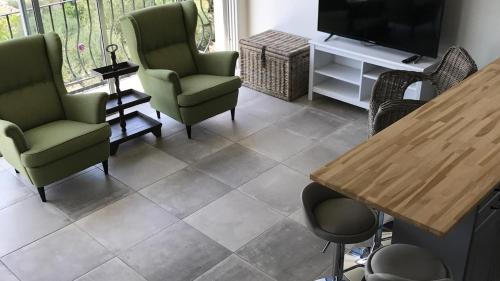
(472, 24)
(292, 16)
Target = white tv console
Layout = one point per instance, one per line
(346, 70)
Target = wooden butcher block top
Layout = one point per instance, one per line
(433, 166)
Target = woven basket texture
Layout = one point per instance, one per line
(275, 63)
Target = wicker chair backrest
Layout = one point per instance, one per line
(455, 67)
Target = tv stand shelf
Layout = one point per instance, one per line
(341, 72)
(375, 72)
(346, 70)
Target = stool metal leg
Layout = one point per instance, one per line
(326, 247)
(338, 262)
(377, 239)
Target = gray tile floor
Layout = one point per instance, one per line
(222, 206)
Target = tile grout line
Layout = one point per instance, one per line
(282, 217)
(141, 188)
(114, 200)
(31, 194)
(71, 220)
(43, 236)
(316, 141)
(190, 165)
(261, 235)
(236, 187)
(258, 237)
(256, 268)
(203, 206)
(243, 260)
(319, 142)
(303, 108)
(239, 139)
(230, 142)
(10, 270)
(274, 123)
(116, 253)
(132, 268)
(147, 237)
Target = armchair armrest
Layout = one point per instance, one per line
(87, 108)
(162, 83)
(391, 85)
(217, 63)
(12, 143)
(11, 134)
(391, 111)
(163, 86)
(163, 76)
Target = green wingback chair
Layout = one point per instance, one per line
(184, 84)
(45, 133)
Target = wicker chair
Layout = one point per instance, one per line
(387, 104)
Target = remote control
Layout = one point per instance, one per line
(411, 59)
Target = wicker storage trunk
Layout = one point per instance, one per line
(275, 63)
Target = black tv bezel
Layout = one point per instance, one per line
(434, 55)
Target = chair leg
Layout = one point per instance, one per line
(158, 114)
(326, 247)
(377, 239)
(105, 166)
(41, 191)
(188, 130)
(338, 262)
(233, 111)
(354, 267)
(113, 148)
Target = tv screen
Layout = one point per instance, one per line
(409, 25)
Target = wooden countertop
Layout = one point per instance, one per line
(433, 166)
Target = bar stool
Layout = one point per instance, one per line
(337, 219)
(402, 262)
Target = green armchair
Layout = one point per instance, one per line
(45, 133)
(184, 84)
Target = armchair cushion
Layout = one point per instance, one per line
(197, 89)
(31, 105)
(179, 59)
(56, 140)
(28, 95)
(87, 108)
(161, 34)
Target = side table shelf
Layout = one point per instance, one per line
(130, 125)
(110, 71)
(129, 98)
(138, 124)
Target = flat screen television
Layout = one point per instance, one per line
(409, 25)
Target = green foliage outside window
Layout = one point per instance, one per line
(76, 22)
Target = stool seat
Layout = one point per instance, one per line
(401, 262)
(336, 218)
(345, 220)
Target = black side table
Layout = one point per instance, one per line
(131, 125)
